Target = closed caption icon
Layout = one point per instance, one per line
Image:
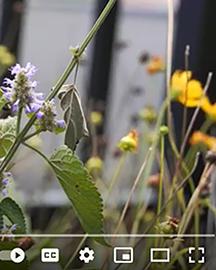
(50, 255)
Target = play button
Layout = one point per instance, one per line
(17, 255)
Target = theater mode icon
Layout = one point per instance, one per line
(123, 255)
(159, 255)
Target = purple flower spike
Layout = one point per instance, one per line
(20, 92)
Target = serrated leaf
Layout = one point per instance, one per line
(83, 194)
(13, 212)
(76, 126)
(7, 134)
(8, 265)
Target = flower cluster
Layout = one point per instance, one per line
(5, 181)
(20, 91)
(129, 143)
(46, 118)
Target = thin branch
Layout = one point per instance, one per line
(137, 179)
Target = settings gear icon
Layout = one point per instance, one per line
(86, 255)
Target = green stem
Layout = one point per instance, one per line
(160, 193)
(67, 266)
(60, 82)
(39, 153)
(115, 176)
(19, 117)
(32, 135)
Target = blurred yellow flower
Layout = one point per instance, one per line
(155, 65)
(187, 91)
(94, 165)
(96, 118)
(6, 58)
(129, 143)
(199, 137)
(209, 109)
(148, 114)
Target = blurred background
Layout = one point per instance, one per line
(111, 79)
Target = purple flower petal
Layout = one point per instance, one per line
(15, 106)
(5, 181)
(40, 115)
(60, 123)
(13, 227)
(16, 69)
(4, 192)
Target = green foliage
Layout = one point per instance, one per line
(3, 101)
(13, 212)
(83, 194)
(76, 126)
(7, 134)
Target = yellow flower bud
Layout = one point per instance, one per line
(96, 118)
(94, 165)
(155, 65)
(129, 143)
(148, 114)
(164, 130)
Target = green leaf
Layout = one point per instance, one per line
(13, 212)
(8, 265)
(83, 194)
(7, 134)
(76, 126)
(3, 100)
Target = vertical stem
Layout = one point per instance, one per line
(160, 193)
(137, 179)
(169, 56)
(116, 175)
(19, 117)
(184, 122)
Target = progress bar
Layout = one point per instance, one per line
(109, 235)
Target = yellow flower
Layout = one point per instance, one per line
(94, 165)
(187, 91)
(96, 118)
(6, 58)
(199, 137)
(209, 109)
(129, 143)
(155, 65)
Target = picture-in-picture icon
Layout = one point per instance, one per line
(123, 255)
